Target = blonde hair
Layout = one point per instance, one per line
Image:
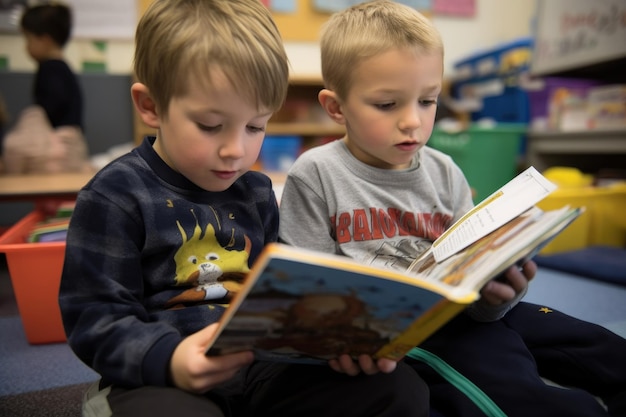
(181, 39)
(368, 29)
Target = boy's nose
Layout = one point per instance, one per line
(411, 119)
(233, 146)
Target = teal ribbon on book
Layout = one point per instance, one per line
(463, 384)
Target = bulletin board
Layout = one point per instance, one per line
(574, 33)
(304, 24)
(103, 19)
(91, 19)
(143, 5)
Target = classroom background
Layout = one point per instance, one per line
(527, 82)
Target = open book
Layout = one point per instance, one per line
(298, 305)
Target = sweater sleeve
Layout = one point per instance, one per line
(482, 311)
(100, 296)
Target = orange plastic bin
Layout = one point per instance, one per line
(35, 270)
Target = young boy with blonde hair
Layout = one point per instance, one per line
(381, 196)
(162, 237)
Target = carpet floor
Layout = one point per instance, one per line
(54, 402)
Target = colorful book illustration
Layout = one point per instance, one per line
(298, 305)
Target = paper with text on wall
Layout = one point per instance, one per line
(514, 198)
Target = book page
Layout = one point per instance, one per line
(518, 240)
(514, 198)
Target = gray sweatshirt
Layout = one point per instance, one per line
(334, 203)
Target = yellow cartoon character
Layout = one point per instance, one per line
(215, 272)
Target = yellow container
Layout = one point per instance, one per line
(576, 235)
(608, 220)
(603, 222)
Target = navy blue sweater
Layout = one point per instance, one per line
(151, 258)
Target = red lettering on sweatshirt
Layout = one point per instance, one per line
(377, 223)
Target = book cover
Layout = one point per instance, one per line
(306, 306)
(298, 305)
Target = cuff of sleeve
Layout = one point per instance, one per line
(156, 364)
(481, 311)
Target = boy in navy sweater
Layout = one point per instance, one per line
(161, 238)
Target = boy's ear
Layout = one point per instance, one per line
(145, 105)
(329, 101)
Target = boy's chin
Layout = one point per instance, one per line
(217, 185)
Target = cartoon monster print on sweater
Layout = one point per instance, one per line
(212, 271)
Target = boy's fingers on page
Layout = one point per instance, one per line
(193, 371)
(215, 370)
(529, 269)
(517, 279)
(206, 337)
(231, 362)
(346, 365)
(334, 365)
(385, 365)
(367, 365)
(496, 293)
(207, 334)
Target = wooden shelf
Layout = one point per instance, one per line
(301, 115)
(589, 150)
(309, 80)
(305, 129)
(42, 186)
(611, 71)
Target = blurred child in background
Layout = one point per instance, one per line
(48, 136)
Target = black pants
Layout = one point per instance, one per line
(285, 390)
(507, 359)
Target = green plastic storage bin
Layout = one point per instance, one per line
(487, 156)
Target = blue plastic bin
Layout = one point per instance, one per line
(278, 153)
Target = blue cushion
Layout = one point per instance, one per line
(604, 263)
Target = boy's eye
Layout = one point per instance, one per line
(427, 103)
(385, 106)
(208, 128)
(256, 129)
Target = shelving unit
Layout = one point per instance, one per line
(589, 151)
(302, 115)
(585, 51)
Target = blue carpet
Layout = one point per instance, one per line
(592, 300)
(25, 367)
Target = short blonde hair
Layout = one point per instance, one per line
(368, 29)
(180, 39)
